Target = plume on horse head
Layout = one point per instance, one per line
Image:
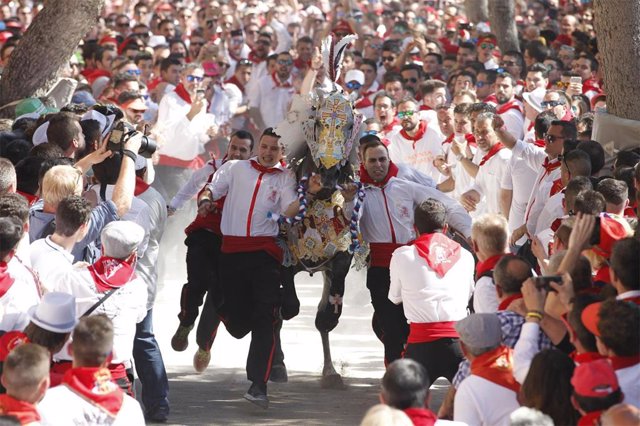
(321, 130)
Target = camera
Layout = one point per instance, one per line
(121, 132)
(543, 282)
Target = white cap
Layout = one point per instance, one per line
(40, 135)
(156, 40)
(120, 239)
(105, 121)
(56, 312)
(354, 75)
(535, 98)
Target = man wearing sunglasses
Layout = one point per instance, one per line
(486, 48)
(269, 103)
(557, 101)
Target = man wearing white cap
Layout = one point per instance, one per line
(112, 275)
(353, 82)
(489, 394)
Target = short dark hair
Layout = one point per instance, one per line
(28, 171)
(62, 130)
(123, 78)
(14, 205)
(430, 216)
(464, 109)
(169, 61)
(391, 77)
(405, 384)
(589, 404)
(10, 234)
(589, 202)
(595, 151)
(614, 191)
(92, 340)
(618, 326)
(539, 67)
(382, 94)
(429, 86)
(624, 262)
(584, 336)
(579, 161)
(569, 130)
(243, 134)
(537, 50)
(371, 63)
(72, 212)
(370, 141)
(505, 74)
(391, 46)
(435, 55)
(481, 107)
(510, 277)
(542, 123)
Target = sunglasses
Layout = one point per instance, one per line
(196, 43)
(210, 23)
(405, 114)
(508, 64)
(133, 72)
(285, 62)
(245, 62)
(370, 132)
(487, 46)
(551, 139)
(353, 85)
(122, 24)
(388, 59)
(551, 104)
(481, 84)
(410, 80)
(263, 42)
(192, 78)
(563, 84)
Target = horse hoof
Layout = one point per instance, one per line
(333, 381)
(279, 374)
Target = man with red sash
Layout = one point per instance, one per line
(595, 389)
(113, 273)
(25, 376)
(88, 394)
(203, 242)
(433, 279)
(256, 190)
(489, 394)
(183, 128)
(615, 325)
(391, 194)
(418, 143)
(509, 108)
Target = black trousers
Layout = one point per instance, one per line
(203, 251)
(251, 289)
(440, 357)
(389, 321)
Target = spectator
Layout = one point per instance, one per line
(595, 390)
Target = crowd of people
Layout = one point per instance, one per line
(504, 250)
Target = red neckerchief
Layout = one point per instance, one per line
(539, 143)
(389, 127)
(497, 367)
(620, 362)
(487, 265)
(94, 384)
(182, 92)
(531, 126)
(363, 103)
(285, 85)
(440, 253)
(366, 179)
(602, 275)
(421, 416)
(449, 139)
(591, 85)
(300, 64)
(556, 187)
(512, 104)
(109, 273)
(590, 419)
(141, 186)
(550, 165)
(630, 211)
(31, 199)
(262, 169)
(506, 302)
(254, 58)
(491, 99)
(555, 225)
(568, 115)
(471, 140)
(9, 341)
(424, 107)
(584, 357)
(234, 80)
(25, 412)
(6, 280)
(422, 129)
(493, 151)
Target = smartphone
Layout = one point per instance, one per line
(543, 281)
(575, 80)
(595, 236)
(200, 94)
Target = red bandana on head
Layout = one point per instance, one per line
(95, 386)
(368, 180)
(109, 273)
(493, 151)
(440, 253)
(182, 92)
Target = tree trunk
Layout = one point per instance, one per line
(477, 10)
(48, 44)
(618, 30)
(503, 24)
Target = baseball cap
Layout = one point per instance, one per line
(211, 69)
(595, 379)
(121, 238)
(480, 330)
(30, 105)
(611, 230)
(354, 75)
(590, 317)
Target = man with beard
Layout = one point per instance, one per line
(134, 107)
(258, 56)
(418, 143)
(509, 108)
(270, 102)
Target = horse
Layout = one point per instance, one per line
(320, 135)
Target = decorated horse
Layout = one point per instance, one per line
(320, 136)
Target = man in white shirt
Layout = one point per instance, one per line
(489, 395)
(433, 279)
(418, 143)
(509, 108)
(491, 168)
(87, 394)
(269, 103)
(434, 94)
(384, 109)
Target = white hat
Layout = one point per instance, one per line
(98, 86)
(56, 312)
(119, 239)
(105, 121)
(535, 98)
(156, 40)
(40, 135)
(480, 330)
(354, 75)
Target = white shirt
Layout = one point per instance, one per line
(419, 154)
(251, 196)
(514, 121)
(126, 307)
(62, 406)
(387, 213)
(485, 297)
(481, 402)
(224, 103)
(177, 136)
(430, 116)
(48, 259)
(489, 177)
(551, 211)
(272, 101)
(22, 295)
(194, 184)
(518, 178)
(463, 180)
(629, 380)
(426, 297)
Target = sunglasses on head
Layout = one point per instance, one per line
(551, 104)
(244, 62)
(192, 78)
(403, 114)
(410, 80)
(353, 85)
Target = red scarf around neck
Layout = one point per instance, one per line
(506, 302)
(421, 416)
(487, 265)
(255, 58)
(581, 358)
(620, 362)
(109, 273)
(11, 340)
(25, 412)
(422, 129)
(234, 80)
(539, 143)
(6, 280)
(141, 186)
(590, 419)
(550, 165)
(496, 366)
(440, 253)
(283, 84)
(366, 179)
(424, 107)
(389, 127)
(182, 92)
(493, 151)
(94, 384)
(262, 169)
(512, 104)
